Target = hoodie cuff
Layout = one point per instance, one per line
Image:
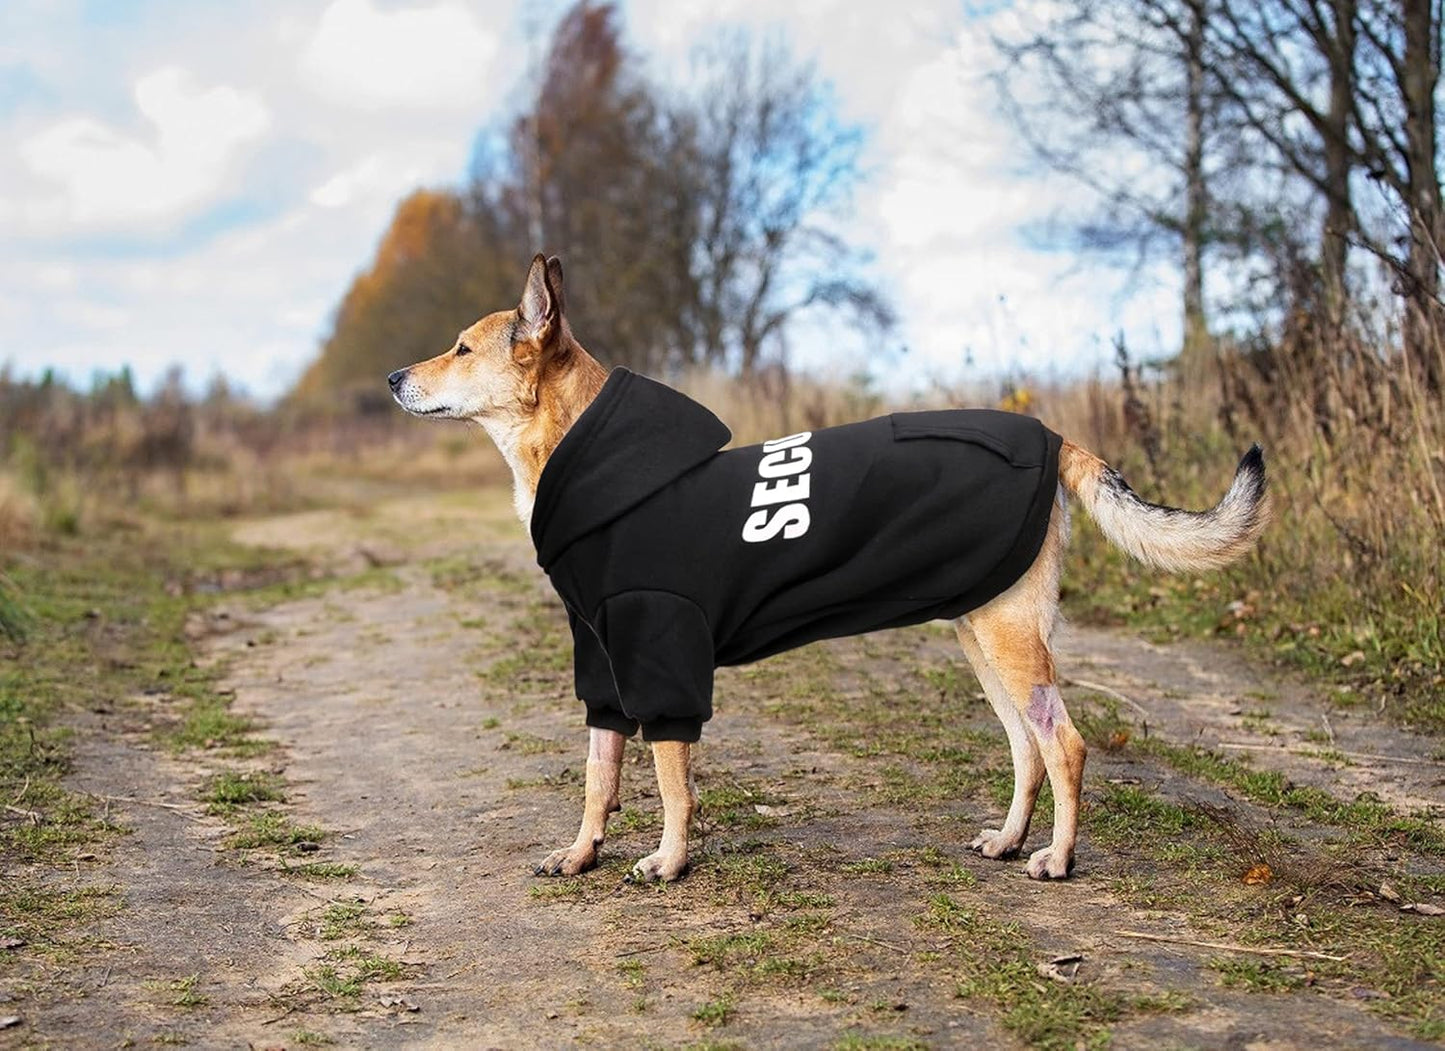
(672, 730)
(612, 719)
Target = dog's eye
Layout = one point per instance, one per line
(462, 348)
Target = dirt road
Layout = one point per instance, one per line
(429, 750)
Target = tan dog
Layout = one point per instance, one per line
(523, 376)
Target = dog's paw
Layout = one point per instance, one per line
(992, 843)
(1047, 864)
(658, 868)
(567, 862)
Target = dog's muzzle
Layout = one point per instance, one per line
(394, 380)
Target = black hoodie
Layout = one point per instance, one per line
(674, 558)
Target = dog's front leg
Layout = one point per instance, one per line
(679, 799)
(604, 776)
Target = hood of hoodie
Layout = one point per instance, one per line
(636, 437)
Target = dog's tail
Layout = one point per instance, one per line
(1168, 537)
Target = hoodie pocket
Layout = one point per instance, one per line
(1017, 439)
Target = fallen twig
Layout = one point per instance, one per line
(178, 808)
(873, 941)
(1109, 692)
(1230, 946)
(1313, 753)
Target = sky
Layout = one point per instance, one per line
(197, 183)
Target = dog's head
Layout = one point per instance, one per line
(495, 367)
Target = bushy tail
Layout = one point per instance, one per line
(1168, 537)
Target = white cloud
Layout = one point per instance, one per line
(111, 181)
(364, 100)
(410, 58)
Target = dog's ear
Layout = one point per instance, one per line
(554, 283)
(539, 315)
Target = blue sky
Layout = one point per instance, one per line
(197, 183)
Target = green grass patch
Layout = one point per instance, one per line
(716, 1012)
(1258, 976)
(993, 963)
(1381, 633)
(273, 830)
(227, 790)
(319, 870)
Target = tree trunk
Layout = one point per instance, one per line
(1339, 208)
(1424, 330)
(1196, 347)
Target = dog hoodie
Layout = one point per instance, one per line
(674, 557)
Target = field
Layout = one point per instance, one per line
(277, 778)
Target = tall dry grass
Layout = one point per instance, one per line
(1351, 576)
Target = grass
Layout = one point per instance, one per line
(343, 919)
(343, 973)
(228, 790)
(319, 870)
(1313, 898)
(1394, 651)
(994, 964)
(716, 1012)
(1258, 976)
(181, 992)
(52, 923)
(274, 830)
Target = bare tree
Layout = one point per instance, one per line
(1116, 94)
(775, 169)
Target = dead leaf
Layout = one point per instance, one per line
(1258, 875)
(398, 1001)
(1389, 893)
(1119, 738)
(772, 811)
(11, 943)
(1061, 968)
(9, 1021)
(1423, 908)
(1352, 658)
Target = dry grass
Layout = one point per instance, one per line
(1350, 579)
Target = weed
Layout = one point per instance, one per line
(229, 789)
(997, 967)
(633, 973)
(343, 919)
(310, 1038)
(555, 890)
(185, 992)
(274, 830)
(715, 1012)
(869, 1042)
(319, 870)
(1257, 976)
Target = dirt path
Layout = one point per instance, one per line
(423, 723)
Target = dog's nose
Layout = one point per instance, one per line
(395, 378)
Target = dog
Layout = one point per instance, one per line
(645, 652)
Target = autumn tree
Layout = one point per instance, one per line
(697, 225)
(431, 277)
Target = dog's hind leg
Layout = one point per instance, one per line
(1011, 634)
(604, 777)
(1027, 761)
(679, 800)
